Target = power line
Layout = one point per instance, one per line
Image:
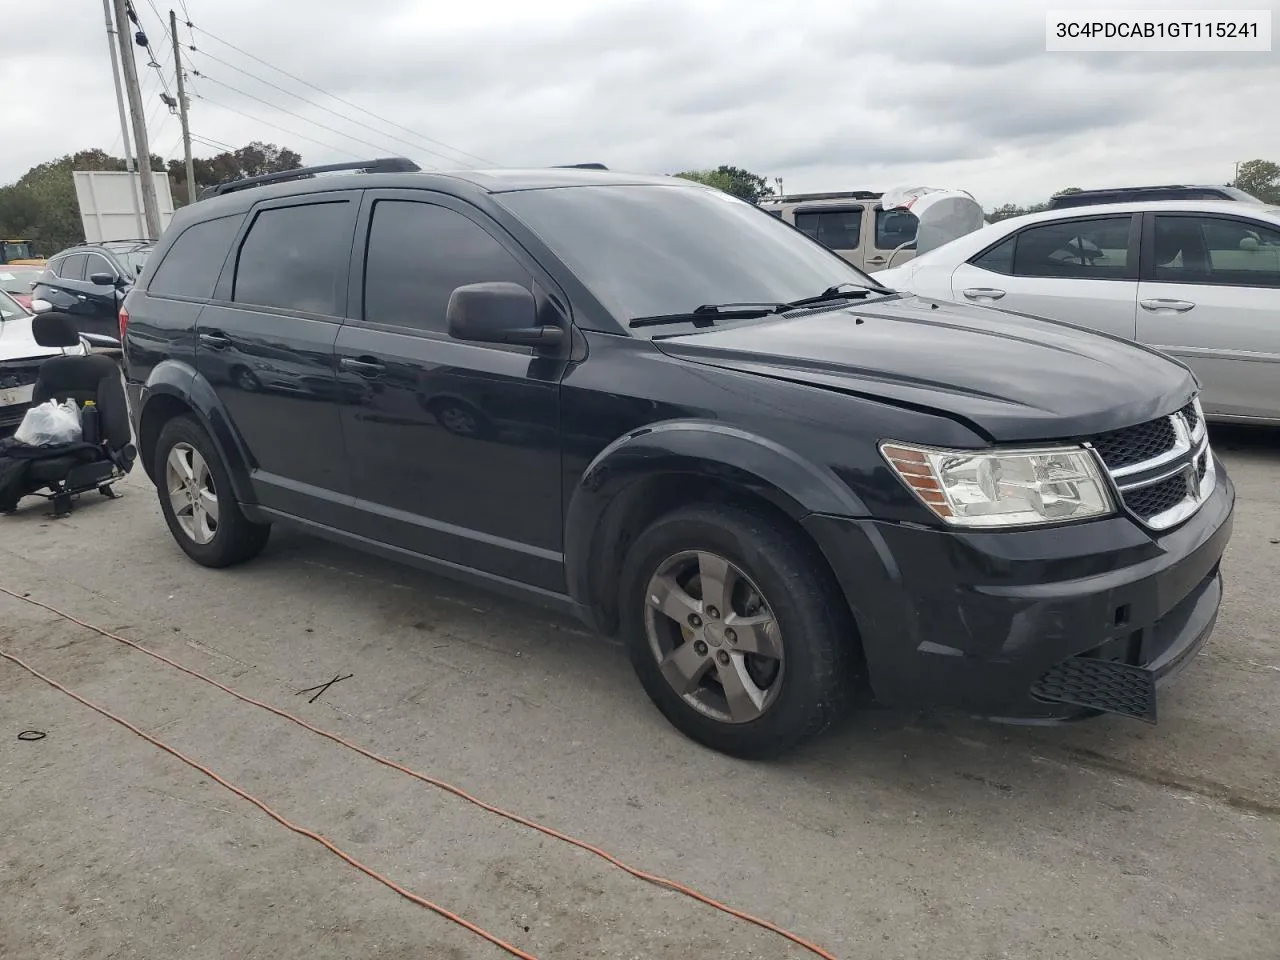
(356, 106)
(321, 106)
(212, 141)
(155, 63)
(298, 116)
(292, 133)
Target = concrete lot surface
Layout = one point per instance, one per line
(897, 836)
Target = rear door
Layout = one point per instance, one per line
(1082, 271)
(1210, 296)
(838, 228)
(265, 344)
(101, 304)
(893, 235)
(455, 445)
(62, 286)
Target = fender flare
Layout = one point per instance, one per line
(702, 448)
(177, 380)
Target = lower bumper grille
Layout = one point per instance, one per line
(1100, 685)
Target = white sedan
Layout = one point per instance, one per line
(1196, 279)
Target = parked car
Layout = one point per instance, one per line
(708, 434)
(18, 251)
(1088, 198)
(17, 279)
(853, 224)
(1199, 280)
(20, 360)
(90, 281)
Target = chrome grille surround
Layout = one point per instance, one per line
(1153, 483)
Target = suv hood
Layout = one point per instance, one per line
(1010, 377)
(18, 343)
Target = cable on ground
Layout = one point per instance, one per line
(442, 785)
(303, 831)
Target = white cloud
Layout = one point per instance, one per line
(826, 94)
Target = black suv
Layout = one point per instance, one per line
(1088, 198)
(656, 406)
(90, 281)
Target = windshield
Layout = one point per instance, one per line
(652, 250)
(15, 250)
(16, 279)
(9, 308)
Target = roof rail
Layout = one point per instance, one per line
(838, 195)
(383, 165)
(579, 166)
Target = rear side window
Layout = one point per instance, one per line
(295, 258)
(419, 253)
(72, 267)
(1096, 249)
(193, 263)
(836, 229)
(97, 263)
(895, 227)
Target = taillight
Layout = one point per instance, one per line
(124, 323)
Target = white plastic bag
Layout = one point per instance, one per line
(49, 424)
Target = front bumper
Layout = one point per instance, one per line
(996, 623)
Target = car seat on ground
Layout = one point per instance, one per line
(67, 470)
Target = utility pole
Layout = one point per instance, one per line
(124, 122)
(182, 108)
(150, 207)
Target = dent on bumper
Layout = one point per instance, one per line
(973, 620)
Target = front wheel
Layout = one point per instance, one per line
(736, 629)
(197, 500)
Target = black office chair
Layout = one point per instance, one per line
(68, 470)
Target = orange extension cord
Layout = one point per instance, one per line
(440, 784)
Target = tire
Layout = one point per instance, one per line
(230, 538)
(812, 680)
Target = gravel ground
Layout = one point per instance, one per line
(898, 835)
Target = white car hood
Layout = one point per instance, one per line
(17, 342)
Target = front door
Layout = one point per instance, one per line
(1082, 271)
(265, 345)
(456, 446)
(1210, 296)
(893, 237)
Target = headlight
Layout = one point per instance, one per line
(1003, 488)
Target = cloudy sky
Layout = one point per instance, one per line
(831, 94)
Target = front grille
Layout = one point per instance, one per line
(1100, 685)
(1162, 467)
(1133, 445)
(1147, 502)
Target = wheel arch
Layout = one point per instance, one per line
(652, 471)
(175, 389)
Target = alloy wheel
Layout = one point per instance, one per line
(191, 491)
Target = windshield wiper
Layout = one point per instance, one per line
(707, 314)
(836, 293)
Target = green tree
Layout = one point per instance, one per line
(741, 183)
(41, 205)
(1260, 178)
(1008, 210)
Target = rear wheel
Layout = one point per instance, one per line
(196, 498)
(736, 630)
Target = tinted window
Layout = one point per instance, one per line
(999, 259)
(1082, 249)
(97, 263)
(1189, 249)
(295, 258)
(72, 267)
(648, 249)
(419, 254)
(837, 229)
(895, 227)
(193, 263)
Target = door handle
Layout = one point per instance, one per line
(876, 259)
(1174, 306)
(983, 293)
(215, 340)
(364, 366)
(81, 296)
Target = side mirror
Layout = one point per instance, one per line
(106, 280)
(39, 306)
(498, 313)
